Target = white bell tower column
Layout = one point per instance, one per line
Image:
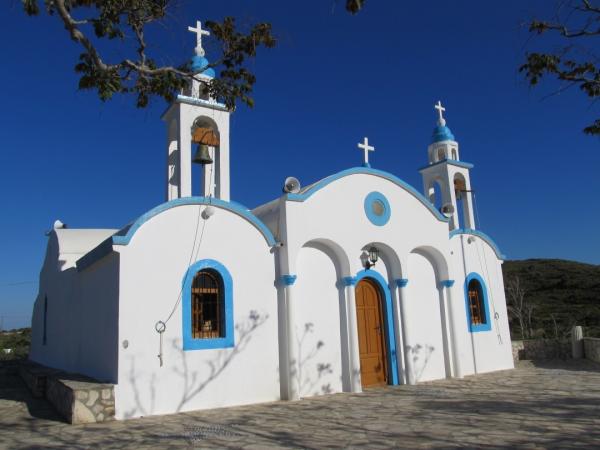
(196, 117)
(446, 177)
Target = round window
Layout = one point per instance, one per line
(377, 208)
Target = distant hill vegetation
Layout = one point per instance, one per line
(555, 295)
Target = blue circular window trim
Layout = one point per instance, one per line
(370, 200)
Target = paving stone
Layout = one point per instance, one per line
(538, 405)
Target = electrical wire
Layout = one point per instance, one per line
(487, 274)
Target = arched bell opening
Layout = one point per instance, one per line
(463, 202)
(435, 193)
(205, 154)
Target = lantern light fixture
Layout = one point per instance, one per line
(373, 257)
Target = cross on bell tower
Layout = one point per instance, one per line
(199, 33)
(440, 110)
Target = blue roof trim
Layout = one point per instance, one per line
(311, 190)
(234, 207)
(483, 236)
(452, 162)
(123, 236)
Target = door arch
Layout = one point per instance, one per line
(375, 330)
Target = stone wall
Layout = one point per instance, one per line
(80, 400)
(541, 349)
(77, 398)
(591, 348)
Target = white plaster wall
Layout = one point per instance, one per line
(81, 323)
(424, 342)
(317, 311)
(153, 266)
(97, 340)
(336, 213)
(335, 216)
(482, 351)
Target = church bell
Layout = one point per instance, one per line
(202, 155)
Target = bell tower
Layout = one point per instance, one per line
(197, 133)
(446, 179)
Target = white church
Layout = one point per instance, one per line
(353, 281)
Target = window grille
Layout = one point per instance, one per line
(207, 306)
(476, 303)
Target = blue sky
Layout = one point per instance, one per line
(332, 79)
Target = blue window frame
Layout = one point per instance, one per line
(227, 338)
(476, 304)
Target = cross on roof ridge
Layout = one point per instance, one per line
(366, 148)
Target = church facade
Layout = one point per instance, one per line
(354, 281)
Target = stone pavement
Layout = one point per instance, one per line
(538, 405)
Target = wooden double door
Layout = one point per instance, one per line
(371, 334)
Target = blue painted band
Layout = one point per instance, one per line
(289, 280)
(483, 236)
(390, 334)
(372, 200)
(123, 236)
(200, 102)
(401, 282)
(487, 326)
(448, 283)
(452, 162)
(349, 281)
(189, 343)
(309, 191)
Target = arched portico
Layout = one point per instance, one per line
(429, 283)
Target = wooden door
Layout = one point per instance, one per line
(371, 334)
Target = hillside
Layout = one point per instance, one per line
(566, 290)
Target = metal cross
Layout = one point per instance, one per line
(440, 110)
(366, 148)
(199, 33)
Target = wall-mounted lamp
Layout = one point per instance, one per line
(373, 257)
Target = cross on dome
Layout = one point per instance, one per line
(440, 110)
(366, 148)
(199, 33)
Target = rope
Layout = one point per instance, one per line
(476, 210)
(161, 326)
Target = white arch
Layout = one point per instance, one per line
(335, 252)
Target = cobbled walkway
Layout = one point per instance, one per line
(538, 405)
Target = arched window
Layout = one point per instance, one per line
(207, 305)
(476, 304)
(207, 299)
(441, 154)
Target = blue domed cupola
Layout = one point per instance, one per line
(199, 64)
(441, 133)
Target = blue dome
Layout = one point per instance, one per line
(198, 65)
(442, 133)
